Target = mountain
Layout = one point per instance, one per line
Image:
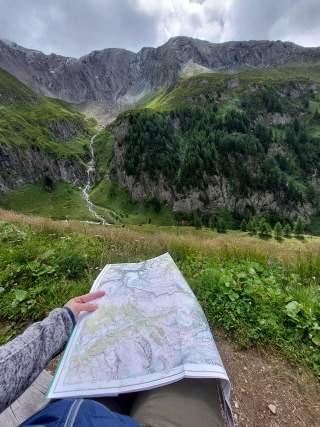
(246, 143)
(39, 137)
(111, 79)
(214, 129)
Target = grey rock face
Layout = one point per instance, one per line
(63, 130)
(23, 166)
(98, 76)
(114, 76)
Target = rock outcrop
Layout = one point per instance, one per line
(23, 166)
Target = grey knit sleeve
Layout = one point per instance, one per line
(23, 359)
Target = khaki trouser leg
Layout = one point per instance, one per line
(186, 403)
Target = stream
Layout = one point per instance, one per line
(91, 170)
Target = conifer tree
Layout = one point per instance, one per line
(243, 225)
(299, 227)
(253, 226)
(264, 228)
(221, 225)
(197, 220)
(287, 230)
(278, 232)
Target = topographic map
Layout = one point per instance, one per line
(148, 331)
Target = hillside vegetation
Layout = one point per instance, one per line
(63, 201)
(246, 142)
(259, 299)
(32, 121)
(43, 151)
(46, 140)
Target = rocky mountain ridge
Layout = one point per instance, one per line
(118, 77)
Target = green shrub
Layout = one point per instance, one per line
(262, 304)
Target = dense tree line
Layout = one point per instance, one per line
(190, 144)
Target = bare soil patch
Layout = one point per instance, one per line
(260, 379)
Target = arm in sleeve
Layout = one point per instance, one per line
(23, 359)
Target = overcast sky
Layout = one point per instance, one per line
(76, 27)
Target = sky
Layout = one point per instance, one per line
(76, 27)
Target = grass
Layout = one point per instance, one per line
(264, 293)
(187, 90)
(110, 195)
(28, 120)
(30, 126)
(66, 202)
(63, 202)
(103, 149)
(12, 90)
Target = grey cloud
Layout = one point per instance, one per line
(195, 20)
(255, 19)
(304, 16)
(74, 28)
(275, 19)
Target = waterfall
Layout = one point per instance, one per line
(91, 170)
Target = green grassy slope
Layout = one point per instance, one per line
(51, 126)
(110, 195)
(63, 202)
(212, 83)
(31, 120)
(103, 150)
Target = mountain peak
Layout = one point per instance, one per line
(114, 75)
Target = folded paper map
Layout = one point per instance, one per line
(148, 331)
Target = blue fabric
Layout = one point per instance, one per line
(90, 414)
(72, 316)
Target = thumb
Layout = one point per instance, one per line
(88, 307)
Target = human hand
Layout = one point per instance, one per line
(82, 303)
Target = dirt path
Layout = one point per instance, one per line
(261, 379)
